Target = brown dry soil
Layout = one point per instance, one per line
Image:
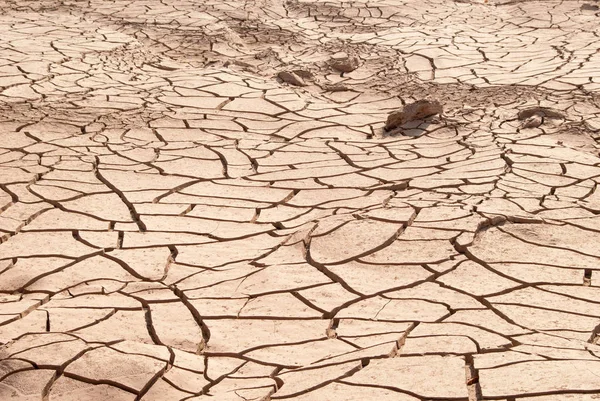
(199, 201)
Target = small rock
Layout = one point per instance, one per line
(291, 78)
(413, 111)
(345, 65)
(533, 121)
(546, 112)
(534, 116)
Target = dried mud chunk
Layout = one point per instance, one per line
(413, 111)
(545, 112)
(291, 78)
(533, 121)
(534, 116)
(342, 63)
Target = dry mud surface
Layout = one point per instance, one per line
(198, 200)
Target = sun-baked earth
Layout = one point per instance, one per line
(199, 200)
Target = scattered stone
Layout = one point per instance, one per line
(533, 121)
(414, 111)
(291, 78)
(534, 116)
(343, 63)
(545, 112)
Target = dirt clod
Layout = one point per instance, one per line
(348, 64)
(291, 78)
(414, 111)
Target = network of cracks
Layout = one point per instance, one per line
(199, 201)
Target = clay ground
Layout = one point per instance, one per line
(181, 221)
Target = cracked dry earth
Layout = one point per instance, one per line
(178, 223)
